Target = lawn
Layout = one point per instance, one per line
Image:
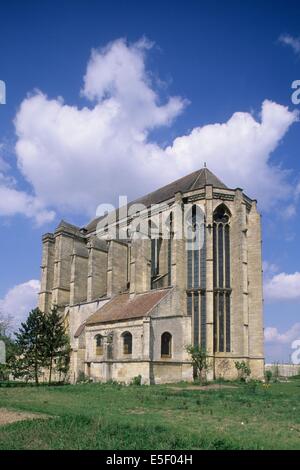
(111, 416)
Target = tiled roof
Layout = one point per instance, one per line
(122, 307)
(196, 180)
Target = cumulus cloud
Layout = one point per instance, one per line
(272, 334)
(117, 72)
(283, 286)
(281, 346)
(14, 201)
(19, 300)
(76, 158)
(242, 147)
(291, 41)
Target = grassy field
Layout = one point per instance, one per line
(111, 416)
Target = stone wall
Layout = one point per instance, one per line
(283, 370)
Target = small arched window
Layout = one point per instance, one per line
(99, 345)
(127, 343)
(166, 344)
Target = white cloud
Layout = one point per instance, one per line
(279, 346)
(283, 286)
(272, 335)
(13, 201)
(291, 41)
(117, 72)
(76, 158)
(240, 150)
(19, 300)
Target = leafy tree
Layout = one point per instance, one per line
(57, 348)
(63, 363)
(31, 347)
(200, 361)
(41, 342)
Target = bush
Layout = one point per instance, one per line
(137, 380)
(82, 378)
(200, 362)
(4, 372)
(268, 376)
(243, 369)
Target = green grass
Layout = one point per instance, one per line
(109, 416)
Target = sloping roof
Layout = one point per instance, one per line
(196, 180)
(79, 330)
(67, 227)
(122, 307)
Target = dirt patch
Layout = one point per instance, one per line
(9, 416)
(203, 387)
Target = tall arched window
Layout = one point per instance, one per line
(166, 344)
(221, 274)
(196, 274)
(127, 343)
(99, 345)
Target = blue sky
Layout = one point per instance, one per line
(192, 64)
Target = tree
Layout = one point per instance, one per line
(63, 363)
(41, 341)
(57, 346)
(31, 347)
(200, 361)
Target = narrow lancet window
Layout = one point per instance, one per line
(222, 284)
(196, 274)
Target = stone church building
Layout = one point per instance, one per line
(179, 266)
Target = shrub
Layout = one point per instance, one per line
(81, 377)
(200, 363)
(268, 376)
(137, 380)
(243, 369)
(4, 372)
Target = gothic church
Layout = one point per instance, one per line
(132, 304)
